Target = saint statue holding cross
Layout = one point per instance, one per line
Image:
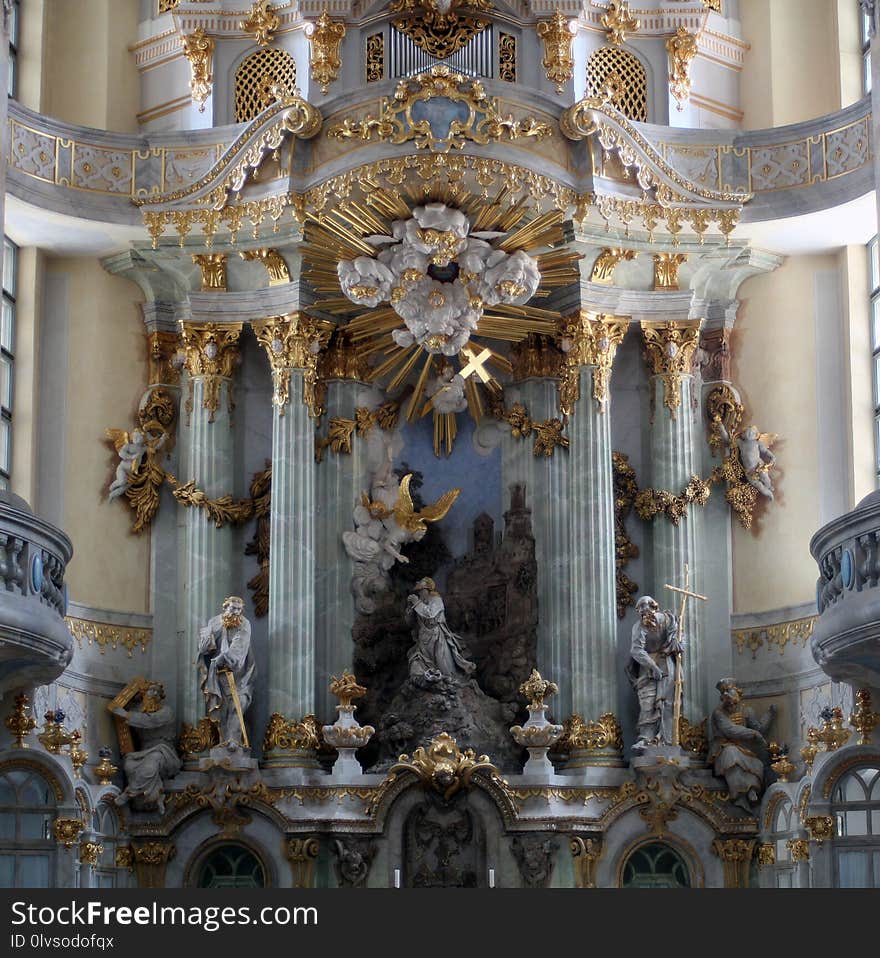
(654, 669)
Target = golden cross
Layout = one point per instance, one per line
(679, 679)
(475, 364)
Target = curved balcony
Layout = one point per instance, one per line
(35, 643)
(846, 639)
(98, 175)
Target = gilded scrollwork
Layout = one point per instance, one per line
(438, 27)
(602, 735)
(288, 735)
(261, 22)
(548, 434)
(606, 263)
(652, 502)
(396, 124)
(444, 767)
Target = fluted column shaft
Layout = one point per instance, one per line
(207, 457)
(591, 569)
(342, 478)
(674, 460)
(546, 479)
(291, 345)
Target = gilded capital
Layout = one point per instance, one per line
(293, 342)
(213, 267)
(589, 341)
(211, 354)
(666, 266)
(669, 351)
(162, 348)
(274, 262)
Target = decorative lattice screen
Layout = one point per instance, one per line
(255, 78)
(610, 66)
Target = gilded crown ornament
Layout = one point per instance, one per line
(558, 34)
(445, 767)
(20, 722)
(325, 35)
(863, 719)
(54, 735)
(536, 689)
(618, 21)
(198, 48)
(262, 22)
(780, 762)
(66, 831)
(346, 689)
(105, 769)
(682, 48)
(77, 754)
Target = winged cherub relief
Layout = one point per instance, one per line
(385, 521)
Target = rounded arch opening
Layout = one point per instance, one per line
(655, 864)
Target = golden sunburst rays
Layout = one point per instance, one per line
(344, 231)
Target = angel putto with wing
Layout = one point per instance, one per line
(385, 521)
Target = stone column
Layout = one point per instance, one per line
(537, 368)
(342, 478)
(670, 348)
(206, 456)
(591, 342)
(292, 344)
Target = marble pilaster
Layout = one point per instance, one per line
(342, 478)
(675, 428)
(592, 343)
(206, 456)
(546, 479)
(291, 343)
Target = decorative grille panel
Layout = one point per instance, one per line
(255, 78)
(623, 70)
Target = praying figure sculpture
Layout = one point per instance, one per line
(739, 746)
(227, 663)
(651, 671)
(438, 652)
(157, 759)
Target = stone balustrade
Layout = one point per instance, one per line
(846, 639)
(35, 643)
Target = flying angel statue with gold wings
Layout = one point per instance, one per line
(386, 520)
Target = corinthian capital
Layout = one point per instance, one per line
(669, 350)
(211, 354)
(589, 340)
(292, 342)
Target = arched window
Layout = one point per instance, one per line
(27, 848)
(255, 78)
(622, 71)
(105, 825)
(855, 806)
(784, 829)
(656, 866)
(231, 866)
